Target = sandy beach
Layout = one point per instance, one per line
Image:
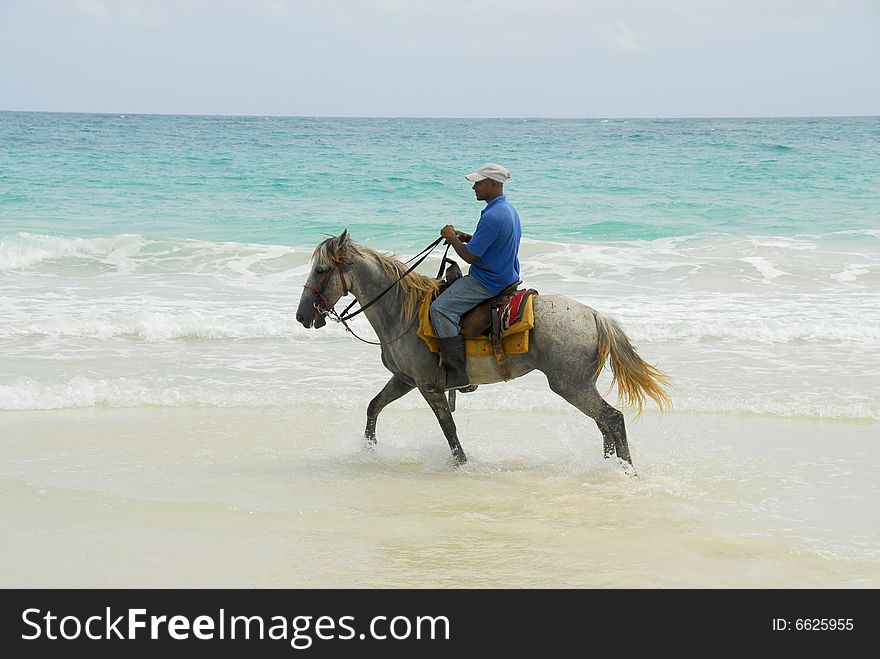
(188, 497)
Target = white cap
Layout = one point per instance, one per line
(489, 170)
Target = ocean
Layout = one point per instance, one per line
(165, 421)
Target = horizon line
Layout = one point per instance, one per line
(449, 117)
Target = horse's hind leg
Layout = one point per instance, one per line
(394, 389)
(612, 420)
(609, 420)
(437, 400)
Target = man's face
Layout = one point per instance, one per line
(482, 188)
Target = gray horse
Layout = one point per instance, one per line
(570, 343)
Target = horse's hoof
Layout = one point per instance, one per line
(468, 389)
(459, 459)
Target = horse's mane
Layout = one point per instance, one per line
(410, 291)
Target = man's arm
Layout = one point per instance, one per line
(454, 238)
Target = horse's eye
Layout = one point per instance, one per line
(320, 270)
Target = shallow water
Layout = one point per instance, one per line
(209, 497)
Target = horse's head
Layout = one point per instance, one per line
(326, 282)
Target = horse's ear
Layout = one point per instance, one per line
(337, 246)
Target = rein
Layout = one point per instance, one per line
(345, 316)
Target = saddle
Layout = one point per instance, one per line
(498, 326)
(479, 320)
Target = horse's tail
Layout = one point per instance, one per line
(636, 379)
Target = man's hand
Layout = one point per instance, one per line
(457, 240)
(449, 232)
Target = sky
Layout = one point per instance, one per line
(443, 58)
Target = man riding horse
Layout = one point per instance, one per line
(570, 343)
(492, 252)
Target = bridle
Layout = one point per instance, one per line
(329, 311)
(318, 290)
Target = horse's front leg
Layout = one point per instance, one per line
(394, 389)
(437, 401)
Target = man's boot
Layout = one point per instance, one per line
(455, 362)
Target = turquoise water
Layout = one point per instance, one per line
(158, 260)
(394, 182)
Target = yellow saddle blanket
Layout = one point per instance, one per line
(515, 339)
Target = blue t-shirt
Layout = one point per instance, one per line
(496, 243)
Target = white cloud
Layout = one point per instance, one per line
(620, 37)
